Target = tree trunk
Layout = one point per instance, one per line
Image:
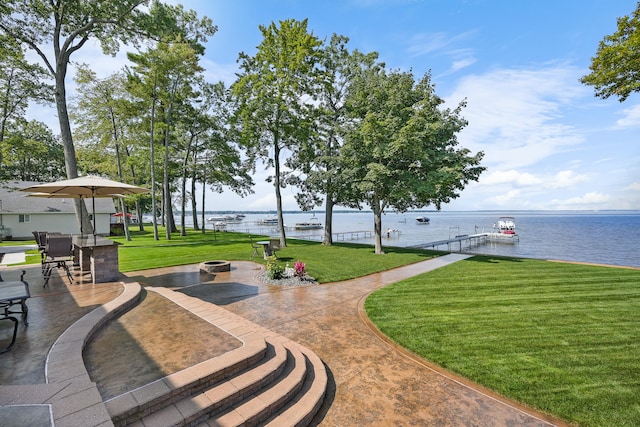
(328, 222)
(70, 161)
(377, 225)
(276, 156)
(204, 190)
(183, 203)
(153, 172)
(194, 205)
(123, 206)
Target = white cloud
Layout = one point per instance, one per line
(514, 114)
(443, 44)
(566, 179)
(512, 176)
(504, 199)
(631, 118)
(635, 186)
(592, 200)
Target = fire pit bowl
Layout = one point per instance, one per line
(215, 266)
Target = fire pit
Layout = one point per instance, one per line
(215, 266)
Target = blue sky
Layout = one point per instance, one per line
(549, 143)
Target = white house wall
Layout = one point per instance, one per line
(61, 222)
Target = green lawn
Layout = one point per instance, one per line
(563, 338)
(325, 263)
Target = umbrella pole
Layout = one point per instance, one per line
(93, 199)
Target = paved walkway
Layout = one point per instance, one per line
(374, 382)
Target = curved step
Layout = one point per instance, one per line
(300, 411)
(266, 402)
(246, 386)
(193, 408)
(163, 393)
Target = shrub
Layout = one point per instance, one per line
(274, 269)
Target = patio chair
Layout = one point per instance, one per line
(41, 241)
(254, 246)
(274, 246)
(58, 253)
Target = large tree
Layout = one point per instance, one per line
(316, 167)
(20, 83)
(615, 70)
(274, 93)
(56, 29)
(402, 150)
(32, 153)
(104, 128)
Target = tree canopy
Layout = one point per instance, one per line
(273, 91)
(402, 151)
(615, 70)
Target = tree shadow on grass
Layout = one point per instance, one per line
(492, 259)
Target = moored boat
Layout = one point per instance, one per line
(422, 220)
(271, 220)
(313, 224)
(504, 230)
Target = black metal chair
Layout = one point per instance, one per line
(255, 247)
(41, 241)
(58, 253)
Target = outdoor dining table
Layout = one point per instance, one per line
(14, 293)
(98, 255)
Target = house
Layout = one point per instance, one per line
(21, 214)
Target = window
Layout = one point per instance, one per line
(22, 218)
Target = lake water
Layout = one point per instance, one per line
(606, 237)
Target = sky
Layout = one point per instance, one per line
(549, 143)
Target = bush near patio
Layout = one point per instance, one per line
(563, 338)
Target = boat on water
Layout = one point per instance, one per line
(422, 220)
(270, 220)
(313, 224)
(226, 218)
(504, 230)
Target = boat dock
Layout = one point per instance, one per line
(462, 240)
(341, 236)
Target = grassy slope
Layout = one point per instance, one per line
(560, 337)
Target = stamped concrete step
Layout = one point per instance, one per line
(261, 406)
(301, 410)
(193, 409)
(136, 404)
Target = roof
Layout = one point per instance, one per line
(12, 200)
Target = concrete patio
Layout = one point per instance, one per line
(183, 320)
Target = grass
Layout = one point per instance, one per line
(325, 263)
(562, 338)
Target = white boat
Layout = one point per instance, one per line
(229, 219)
(422, 220)
(313, 224)
(271, 220)
(504, 230)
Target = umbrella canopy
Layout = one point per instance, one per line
(86, 186)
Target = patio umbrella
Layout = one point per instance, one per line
(87, 186)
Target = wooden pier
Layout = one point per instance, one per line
(469, 239)
(341, 236)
